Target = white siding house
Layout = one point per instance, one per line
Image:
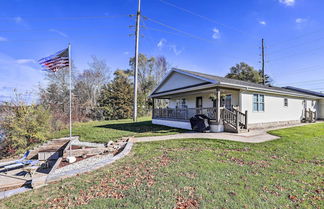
(232, 105)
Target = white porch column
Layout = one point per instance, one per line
(218, 95)
(240, 101)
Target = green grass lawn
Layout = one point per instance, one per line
(199, 173)
(103, 131)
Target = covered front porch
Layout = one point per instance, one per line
(221, 105)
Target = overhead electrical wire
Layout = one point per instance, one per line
(49, 39)
(178, 30)
(204, 17)
(293, 39)
(297, 53)
(49, 29)
(63, 18)
(304, 82)
(294, 46)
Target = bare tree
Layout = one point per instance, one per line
(88, 85)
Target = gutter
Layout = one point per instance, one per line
(269, 90)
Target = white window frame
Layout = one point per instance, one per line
(258, 102)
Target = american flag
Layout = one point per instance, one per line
(56, 62)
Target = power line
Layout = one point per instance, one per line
(50, 39)
(294, 46)
(179, 31)
(49, 29)
(297, 37)
(63, 18)
(182, 35)
(165, 31)
(308, 69)
(305, 82)
(203, 17)
(293, 54)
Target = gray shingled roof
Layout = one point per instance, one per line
(315, 93)
(244, 83)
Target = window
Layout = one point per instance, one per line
(181, 103)
(258, 102)
(285, 102)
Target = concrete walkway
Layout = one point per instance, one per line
(253, 136)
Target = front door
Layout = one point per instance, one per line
(199, 105)
(228, 102)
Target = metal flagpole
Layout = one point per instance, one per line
(138, 18)
(70, 69)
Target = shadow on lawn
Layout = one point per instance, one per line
(141, 127)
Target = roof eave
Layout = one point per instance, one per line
(249, 88)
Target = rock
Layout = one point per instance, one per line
(71, 159)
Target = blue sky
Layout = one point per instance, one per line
(208, 36)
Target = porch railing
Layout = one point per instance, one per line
(183, 113)
(235, 118)
(310, 116)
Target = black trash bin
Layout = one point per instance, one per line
(200, 123)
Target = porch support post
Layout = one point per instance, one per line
(246, 119)
(153, 107)
(217, 105)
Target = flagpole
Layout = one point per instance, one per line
(70, 69)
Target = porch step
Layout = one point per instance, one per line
(229, 128)
(243, 130)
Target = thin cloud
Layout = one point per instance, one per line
(262, 22)
(58, 32)
(3, 39)
(301, 20)
(175, 50)
(216, 34)
(20, 75)
(161, 43)
(18, 19)
(288, 3)
(25, 61)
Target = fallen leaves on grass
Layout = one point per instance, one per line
(293, 198)
(183, 203)
(114, 185)
(189, 201)
(241, 162)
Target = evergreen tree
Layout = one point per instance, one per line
(116, 98)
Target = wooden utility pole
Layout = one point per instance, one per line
(137, 35)
(263, 74)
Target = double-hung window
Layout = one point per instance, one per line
(258, 102)
(285, 102)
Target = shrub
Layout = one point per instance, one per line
(24, 126)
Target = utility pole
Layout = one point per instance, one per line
(137, 35)
(263, 74)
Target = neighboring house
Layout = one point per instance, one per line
(233, 105)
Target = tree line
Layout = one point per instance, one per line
(97, 94)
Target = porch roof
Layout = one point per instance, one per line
(214, 81)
